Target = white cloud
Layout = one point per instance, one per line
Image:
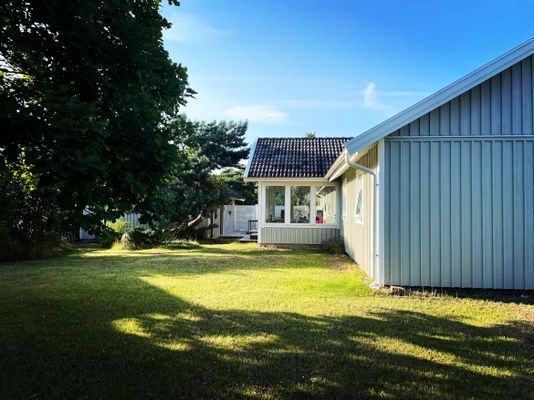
(189, 28)
(370, 97)
(257, 113)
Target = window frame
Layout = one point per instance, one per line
(310, 193)
(335, 204)
(358, 216)
(287, 204)
(344, 187)
(264, 211)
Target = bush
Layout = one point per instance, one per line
(120, 226)
(140, 238)
(22, 248)
(114, 231)
(30, 225)
(195, 234)
(108, 237)
(333, 246)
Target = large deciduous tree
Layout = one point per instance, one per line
(85, 89)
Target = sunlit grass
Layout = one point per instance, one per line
(231, 320)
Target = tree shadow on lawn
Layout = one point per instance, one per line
(145, 343)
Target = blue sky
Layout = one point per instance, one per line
(333, 67)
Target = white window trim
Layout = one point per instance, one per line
(287, 205)
(312, 211)
(344, 199)
(314, 200)
(262, 203)
(358, 217)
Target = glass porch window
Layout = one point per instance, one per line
(300, 204)
(325, 205)
(275, 201)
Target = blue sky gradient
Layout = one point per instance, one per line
(333, 67)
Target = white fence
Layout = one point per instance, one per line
(235, 219)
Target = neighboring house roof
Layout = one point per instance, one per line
(441, 97)
(293, 157)
(233, 195)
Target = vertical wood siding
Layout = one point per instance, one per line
(503, 105)
(460, 212)
(459, 190)
(357, 235)
(297, 235)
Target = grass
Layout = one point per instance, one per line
(229, 320)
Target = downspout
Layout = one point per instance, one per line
(374, 224)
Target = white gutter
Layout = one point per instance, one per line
(375, 222)
(339, 167)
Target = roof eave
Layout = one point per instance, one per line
(250, 157)
(340, 166)
(286, 179)
(334, 171)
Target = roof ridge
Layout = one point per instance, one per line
(305, 138)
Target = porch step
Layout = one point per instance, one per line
(249, 238)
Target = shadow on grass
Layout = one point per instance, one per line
(139, 342)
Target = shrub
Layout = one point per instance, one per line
(108, 237)
(140, 238)
(120, 226)
(114, 231)
(195, 234)
(30, 225)
(333, 246)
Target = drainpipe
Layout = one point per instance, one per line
(374, 224)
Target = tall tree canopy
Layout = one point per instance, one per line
(206, 147)
(85, 88)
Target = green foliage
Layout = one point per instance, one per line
(85, 87)
(121, 226)
(114, 231)
(206, 147)
(30, 225)
(108, 237)
(233, 178)
(139, 238)
(310, 135)
(191, 234)
(333, 246)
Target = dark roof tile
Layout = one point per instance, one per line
(294, 157)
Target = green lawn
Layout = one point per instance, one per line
(230, 320)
